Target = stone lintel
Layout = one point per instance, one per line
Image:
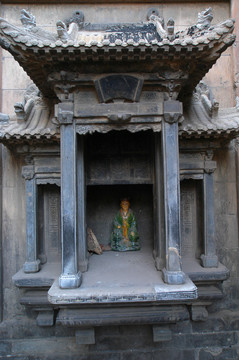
(113, 109)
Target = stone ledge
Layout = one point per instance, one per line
(122, 315)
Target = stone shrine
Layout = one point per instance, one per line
(115, 110)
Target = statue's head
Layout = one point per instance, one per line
(124, 204)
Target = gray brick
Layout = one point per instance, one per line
(218, 354)
(174, 355)
(136, 355)
(5, 347)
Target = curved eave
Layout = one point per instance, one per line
(194, 55)
(11, 140)
(197, 124)
(209, 134)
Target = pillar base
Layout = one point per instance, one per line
(209, 261)
(173, 277)
(71, 281)
(31, 266)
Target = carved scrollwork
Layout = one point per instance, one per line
(209, 155)
(27, 19)
(204, 19)
(50, 181)
(31, 97)
(210, 169)
(170, 29)
(158, 21)
(204, 94)
(172, 111)
(62, 30)
(64, 84)
(121, 118)
(77, 18)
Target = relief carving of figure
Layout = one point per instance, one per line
(125, 236)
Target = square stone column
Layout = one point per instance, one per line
(81, 206)
(172, 273)
(159, 238)
(209, 258)
(32, 263)
(70, 277)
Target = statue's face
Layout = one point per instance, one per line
(124, 205)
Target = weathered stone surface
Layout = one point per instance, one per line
(175, 354)
(85, 336)
(218, 353)
(161, 333)
(5, 348)
(191, 341)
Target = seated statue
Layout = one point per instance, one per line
(125, 236)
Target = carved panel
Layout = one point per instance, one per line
(49, 223)
(119, 87)
(119, 158)
(120, 169)
(53, 220)
(191, 219)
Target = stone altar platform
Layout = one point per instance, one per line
(120, 277)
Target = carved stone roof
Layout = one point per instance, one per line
(149, 47)
(22, 133)
(179, 60)
(198, 124)
(202, 117)
(33, 121)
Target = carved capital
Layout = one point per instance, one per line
(28, 172)
(172, 117)
(210, 166)
(65, 113)
(64, 84)
(172, 111)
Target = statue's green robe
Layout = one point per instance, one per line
(125, 236)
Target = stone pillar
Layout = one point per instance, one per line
(209, 258)
(159, 243)
(81, 201)
(172, 273)
(70, 277)
(32, 263)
